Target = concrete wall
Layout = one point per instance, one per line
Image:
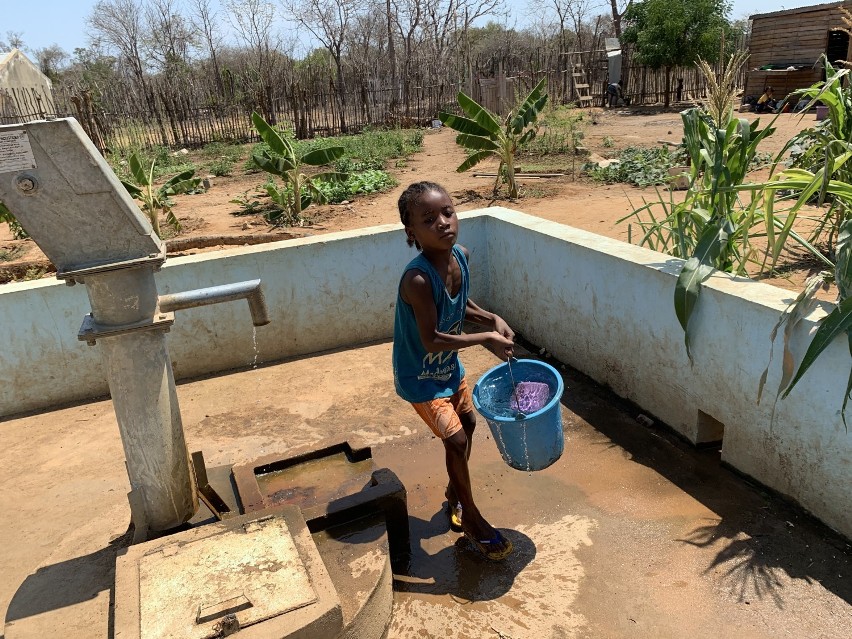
(598, 304)
(325, 292)
(606, 308)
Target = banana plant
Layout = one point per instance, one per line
(299, 191)
(484, 136)
(15, 227)
(157, 199)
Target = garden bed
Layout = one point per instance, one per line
(572, 199)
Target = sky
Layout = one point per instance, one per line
(62, 22)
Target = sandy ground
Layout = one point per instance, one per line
(631, 533)
(576, 201)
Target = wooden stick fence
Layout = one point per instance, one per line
(191, 111)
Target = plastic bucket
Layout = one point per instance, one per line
(529, 442)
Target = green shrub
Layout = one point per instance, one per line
(216, 150)
(561, 132)
(221, 167)
(15, 227)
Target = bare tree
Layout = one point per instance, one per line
(118, 24)
(328, 21)
(206, 26)
(561, 9)
(579, 11)
(254, 23)
(408, 18)
(51, 60)
(14, 40)
(619, 7)
(449, 21)
(169, 36)
(391, 55)
(365, 53)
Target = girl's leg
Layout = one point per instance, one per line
(475, 525)
(468, 422)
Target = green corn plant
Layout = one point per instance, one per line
(839, 321)
(821, 174)
(826, 149)
(712, 228)
(484, 136)
(15, 227)
(156, 200)
(298, 191)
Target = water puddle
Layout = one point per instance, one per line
(316, 481)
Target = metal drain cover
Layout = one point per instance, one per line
(194, 589)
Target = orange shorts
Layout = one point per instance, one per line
(442, 415)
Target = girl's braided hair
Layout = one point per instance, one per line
(410, 196)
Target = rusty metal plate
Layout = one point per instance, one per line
(253, 573)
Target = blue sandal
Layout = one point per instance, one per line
(495, 549)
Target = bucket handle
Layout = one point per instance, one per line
(519, 414)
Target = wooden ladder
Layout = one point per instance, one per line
(580, 81)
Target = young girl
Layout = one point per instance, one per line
(432, 303)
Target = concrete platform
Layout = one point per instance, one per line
(631, 533)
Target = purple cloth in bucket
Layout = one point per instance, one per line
(530, 397)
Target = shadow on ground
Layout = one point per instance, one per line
(68, 583)
(459, 570)
(758, 538)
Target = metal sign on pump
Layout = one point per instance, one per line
(68, 199)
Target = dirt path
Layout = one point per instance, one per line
(578, 202)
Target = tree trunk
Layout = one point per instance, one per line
(391, 60)
(667, 96)
(616, 18)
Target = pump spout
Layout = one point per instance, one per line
(250, 291)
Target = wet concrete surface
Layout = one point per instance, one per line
(631, 533)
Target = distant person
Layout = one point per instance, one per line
(801, 105)
(432, 304)
(679, 90)
(766, 102)
(615, 92)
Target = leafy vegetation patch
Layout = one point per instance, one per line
(361, 182)
(371, 148)
(166, 162)
(639, 166)
(13, 253)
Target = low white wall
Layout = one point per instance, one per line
(323, 292)
(606, 308)
(600, 305)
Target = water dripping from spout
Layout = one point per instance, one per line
(254, 345)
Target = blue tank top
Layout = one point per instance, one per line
(420, 376)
